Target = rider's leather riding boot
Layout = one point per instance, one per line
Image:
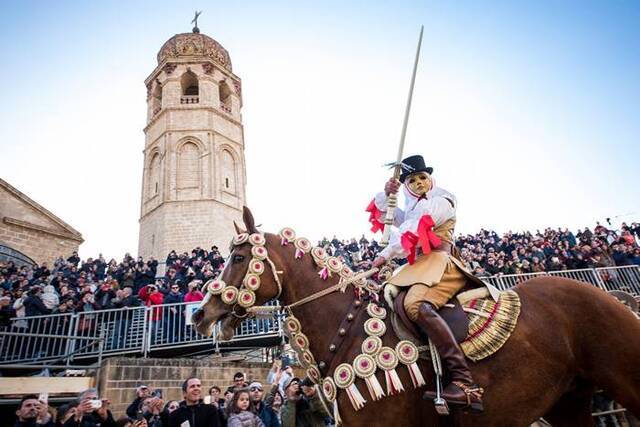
(462, 390)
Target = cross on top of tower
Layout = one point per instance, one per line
(194, 21)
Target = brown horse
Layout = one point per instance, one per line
(571, 339)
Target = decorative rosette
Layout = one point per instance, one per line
(387, 360)
(300, 341)
(303, 246)
(371, 345)
(408, 354)
(259, 252)
(230, 295)
(314, 374)
(251, 281)
(246, 298)
(360, 283)
(256, 267)
(376, 311)
(344, 377)
(365, 368)
(364, 365)
(292, 325)
(216, 286)
(346, 272)
(287, 235)
(375, 327)
(329, 389)
(240, 239)
(306, 358)
(319, 255)
(334, 264)
(257, 239)
(373, 287)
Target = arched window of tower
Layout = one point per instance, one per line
(154, 176)
(157, 98)
(188, 166)
(190, 91)
(225, 97)
(228, 172)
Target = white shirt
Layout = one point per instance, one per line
(439, 204)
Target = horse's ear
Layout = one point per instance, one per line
(249, 222)
(238, 229)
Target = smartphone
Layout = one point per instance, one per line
(157, 393)
(96, 404)
(44, 397)
(207, 400)
(139, 416)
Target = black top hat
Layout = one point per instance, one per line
(413, 164)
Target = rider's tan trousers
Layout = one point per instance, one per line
(438, 295)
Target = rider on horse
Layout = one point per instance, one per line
(424, 235)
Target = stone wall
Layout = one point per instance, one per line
(118, 377)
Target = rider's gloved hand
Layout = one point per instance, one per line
(392, 186)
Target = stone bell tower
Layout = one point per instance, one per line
(193, 182)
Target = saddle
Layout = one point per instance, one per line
(452, 313)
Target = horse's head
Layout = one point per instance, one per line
(248, 279)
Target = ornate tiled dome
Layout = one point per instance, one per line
(194, 44)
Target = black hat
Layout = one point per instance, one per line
(413, 164)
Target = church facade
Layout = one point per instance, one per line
(193, 183)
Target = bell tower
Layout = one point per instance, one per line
(193, 180)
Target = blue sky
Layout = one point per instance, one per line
(528, 111)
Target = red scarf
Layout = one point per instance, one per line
(425, 238)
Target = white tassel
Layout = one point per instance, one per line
(394, 385)
(375, 389)
(355, 397)
(416, 376)
(336, 413)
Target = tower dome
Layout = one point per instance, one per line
(189, 45)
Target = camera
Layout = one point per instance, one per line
(95, 404)
(157, 393)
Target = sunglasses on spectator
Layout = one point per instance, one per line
(255, 389)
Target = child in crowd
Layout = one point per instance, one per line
(239, 411)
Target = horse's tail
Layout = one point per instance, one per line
(608, 343)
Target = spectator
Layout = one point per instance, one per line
(151, 409)
(50, 298)
(192, 409)
(91, 412)
(142, 392)
(262, 408)
(218, 402)
(33, 303)
(151, 296)
(33, 413)
(194, 294)
(239, 380)
(304, 409)
(240, 412)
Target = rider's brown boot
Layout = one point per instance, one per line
(462, 390)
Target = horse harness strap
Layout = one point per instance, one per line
(339, 337)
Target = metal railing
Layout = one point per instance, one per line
(625, 278)
(127, 330)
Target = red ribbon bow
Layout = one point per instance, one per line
(426, 238)
(375, 217)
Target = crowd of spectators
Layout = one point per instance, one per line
(486, 253)
(287, 401)
(72, 285)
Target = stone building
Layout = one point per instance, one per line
(194, 178)
(30, 233)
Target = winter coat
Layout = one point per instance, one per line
(244, 419)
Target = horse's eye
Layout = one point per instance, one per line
(238, 258)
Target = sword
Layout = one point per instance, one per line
(392, 200)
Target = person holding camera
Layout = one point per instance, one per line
(142, 392)
(303, 407)
(91, 411)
